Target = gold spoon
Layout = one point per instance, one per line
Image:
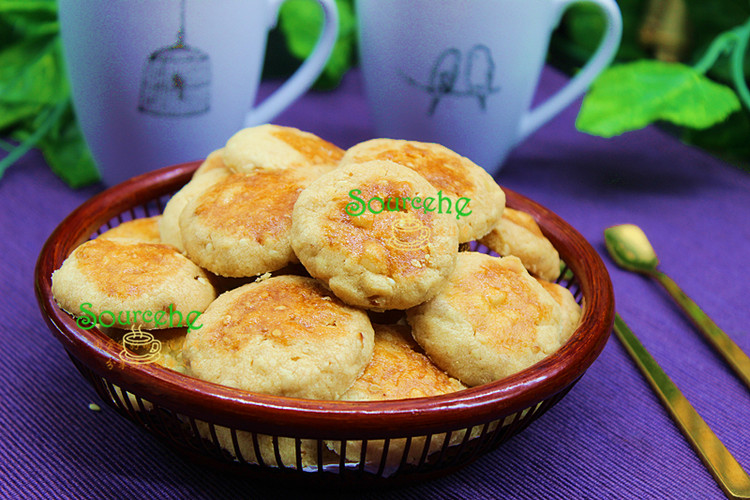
(631, 250)
(728, 473)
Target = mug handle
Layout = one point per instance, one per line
(305, 76)
(604, 54)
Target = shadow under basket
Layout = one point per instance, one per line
(325, 442)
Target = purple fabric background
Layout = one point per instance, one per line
(609, 438)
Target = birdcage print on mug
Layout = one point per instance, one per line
(176, 79)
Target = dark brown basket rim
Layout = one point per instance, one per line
(312, 418)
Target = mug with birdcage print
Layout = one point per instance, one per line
(159, 82)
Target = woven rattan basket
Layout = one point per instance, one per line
(276, 437)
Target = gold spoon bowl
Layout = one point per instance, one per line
(631, 250)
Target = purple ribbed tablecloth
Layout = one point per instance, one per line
(609, 438)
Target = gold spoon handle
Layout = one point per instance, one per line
(728, 473)
(731, 352)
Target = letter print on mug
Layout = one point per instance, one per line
(176, 79)
(478, 75)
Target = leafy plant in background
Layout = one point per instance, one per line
(630, 96)
(301, 21)
(703, 94)
(35, 104)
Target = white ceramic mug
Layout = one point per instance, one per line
(159, 82)
(462, 73)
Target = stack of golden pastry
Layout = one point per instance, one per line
(327, 274)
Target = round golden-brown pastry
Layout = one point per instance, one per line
(145, 230)
(518, 234)
(284, 336)
(240, 226)
(214, 161)
(379, 252)
(491, 320)
(172, 346)
(397, 371)
(571, 311)
(169, 224)
(276, 147)
(124, 283)
(454, 175)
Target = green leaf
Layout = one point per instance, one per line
(727, 139)
(582, 28)
(32, 72)
(33, 7)
(35, 106)
(32, 76)
(585, 25)
(40, 126)
(65, 150)
(707, 21)
(631, 96)
(27, 16)
(15, 115)
(301, 21)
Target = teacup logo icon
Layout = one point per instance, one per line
(140, 347)
(408, 233)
